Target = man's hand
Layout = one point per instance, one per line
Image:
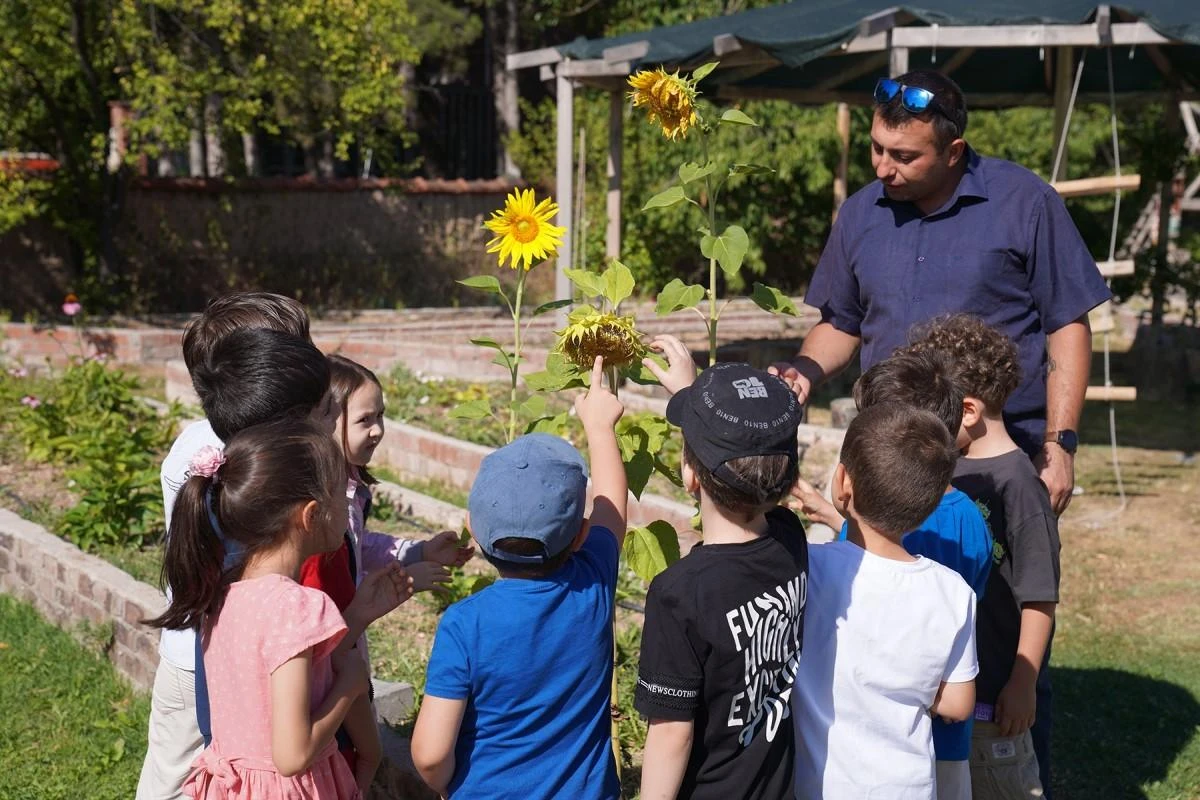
(1056, 468)
(681, 368)
(444, 549)
(427, 575)
(1016, 706)
(800, 385)
(380, 592)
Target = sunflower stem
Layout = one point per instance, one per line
(614, 373)
(712, 261)
(516, 362)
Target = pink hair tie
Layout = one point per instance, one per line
(207, 461)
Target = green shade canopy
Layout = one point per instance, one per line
(1000, 51)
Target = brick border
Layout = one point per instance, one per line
(70, 587)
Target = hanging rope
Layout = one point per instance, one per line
(1112, 249)
(1062, 137)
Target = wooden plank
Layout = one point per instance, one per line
(1105, 184)
(626, 52)
(1100, 318)
(725, 44)
(532, 58)
(564, 163)
(612, 201)
(594, 68)
(871, 65)
(1121, 33)
(1115, 269)
(1112, 394)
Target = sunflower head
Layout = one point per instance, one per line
(669, 99)
(590, 333)
(523, 230)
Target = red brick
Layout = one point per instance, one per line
(85, 585)
(133, 613)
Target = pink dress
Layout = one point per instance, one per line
(264, 623)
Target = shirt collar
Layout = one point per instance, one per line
(973, 183)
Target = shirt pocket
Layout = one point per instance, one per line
(981, 282)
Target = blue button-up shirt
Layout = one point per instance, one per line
(1003, 247)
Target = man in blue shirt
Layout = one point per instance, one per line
(944, 230)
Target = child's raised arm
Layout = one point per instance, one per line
(297, 736)
(599, 411)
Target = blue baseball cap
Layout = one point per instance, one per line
(533, 488)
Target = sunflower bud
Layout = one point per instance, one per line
(589, 334)
(669, 100)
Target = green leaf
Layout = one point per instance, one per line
(749, 169)
(638, 470)
(691, 171)
(699, 73)
(551, 306)
(638, 373)
(650, 550)
(555, 425)
(737, 118)
(666, 199)
(484, 342)
(768, 298)
(533, 406)
(677, 295)
(559, 374)
(588, 282)
(618, 283)
(486, 283)
(472, 409)
(728, 249)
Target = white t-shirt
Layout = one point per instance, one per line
(179, 647)
(879, 638)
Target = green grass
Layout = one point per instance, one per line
(71, 727)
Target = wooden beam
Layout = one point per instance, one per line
(1122, 33)
(1117, 394)
(1115, 269)
(957, 60)
(873, 64)
(612, 201)
(564, 181)
(725, 44)
(1064, 79)
(626, 52)
(1191, 205)
(594, 68)
(532, 58)
(999, 100)
(897, 61)
(841, 179)
(1102, 185)
(1101, 319)
(883, 21)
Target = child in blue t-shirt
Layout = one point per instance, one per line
(954, 535)
(517, 688)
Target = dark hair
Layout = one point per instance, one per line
(235, 312)
(985, 361)
(774, 474)
(900, 460)
(256, 375)
(269, 470)
(522, 546)
(947, 113)
(345, 378)
(923, 380)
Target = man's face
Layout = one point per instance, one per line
(907, 161)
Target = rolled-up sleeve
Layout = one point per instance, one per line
(1063, 278)
(833, 289)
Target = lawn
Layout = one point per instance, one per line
(72, 728)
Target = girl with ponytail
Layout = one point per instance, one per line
(279, 685)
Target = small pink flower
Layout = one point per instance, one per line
(71, 305)
(206, 461)
(18, 372)
(30, 401)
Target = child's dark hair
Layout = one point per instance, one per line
(986, 364)
(773, 475)
(900, 460)
(526, 547)
(269, 471)
(235, 312)
(923, 380)
(256, 375)
(345, 378)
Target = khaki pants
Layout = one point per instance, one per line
(953, 780)
(174, 738)
(1003, 767)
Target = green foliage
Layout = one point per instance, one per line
(650, 550)
(91, 421)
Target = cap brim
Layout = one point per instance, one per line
(677, 404)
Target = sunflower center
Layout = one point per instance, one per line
(525, 229)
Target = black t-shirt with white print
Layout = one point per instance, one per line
(720, 646)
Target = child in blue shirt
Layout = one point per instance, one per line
(954, 535)
(517, 688)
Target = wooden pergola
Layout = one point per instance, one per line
(839, 61)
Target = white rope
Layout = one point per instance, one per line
(1112, 249)
(1062, 137)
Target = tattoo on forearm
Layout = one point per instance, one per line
(1051, 364)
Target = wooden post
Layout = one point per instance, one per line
(897, 61)
(841, 179)
(616, 131)
(1064, 79)
(564, 178)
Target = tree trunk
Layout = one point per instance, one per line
(504, 85)
(250, 155)
(197, 163)
(214, 151)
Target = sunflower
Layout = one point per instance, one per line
(523, 230)
(670, 100)
(590, 333)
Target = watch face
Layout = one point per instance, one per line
(1069, 440)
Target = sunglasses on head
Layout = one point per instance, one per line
(913, 99)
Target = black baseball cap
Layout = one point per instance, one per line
(734, 411)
